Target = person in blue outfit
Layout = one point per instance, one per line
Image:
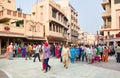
(72, 54)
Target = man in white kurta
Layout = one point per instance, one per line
(65, 56)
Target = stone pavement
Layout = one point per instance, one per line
(20, 68)
(3, 75)
(110, 65)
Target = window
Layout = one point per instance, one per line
(17, 25)
(8, 12)
(24, 15)
(50, 28)
(117, 1)
(14, 13)
(56, 28)
(54, 12)
(108, 33)
(9, 1)
(19, 14)
(109, 19)
(59, 16)
(33, 13)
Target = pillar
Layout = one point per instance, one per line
(55, 27)
(8, 42)
(52, 26)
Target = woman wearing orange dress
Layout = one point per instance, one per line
(105, 55)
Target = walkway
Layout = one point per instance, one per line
(20, 68)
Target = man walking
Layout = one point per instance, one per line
(46, 56)
(11, 51)
(37, 49)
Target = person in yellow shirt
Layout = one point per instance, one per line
(30, 51)
(30, 48)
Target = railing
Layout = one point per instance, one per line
(105, 0)
(105, 27)
(10, 13)
(106, 13)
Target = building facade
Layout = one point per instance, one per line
(72, 16)
(49, 20)
(17, 27)
(111, 17)
(87, 39)
(54, 19)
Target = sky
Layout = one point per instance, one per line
(89, 13)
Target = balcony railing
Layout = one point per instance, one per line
(105, 0)
(105, 27)
(106, 14)
(11, 14)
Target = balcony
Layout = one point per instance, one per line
(56, 34)
(8, 14)
(104, 2)
(106, 14)
(59, 22)
(103, 28)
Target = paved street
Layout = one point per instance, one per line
(20, 68)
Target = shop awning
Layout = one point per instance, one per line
(18, 22)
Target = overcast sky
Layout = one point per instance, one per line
(89, 12)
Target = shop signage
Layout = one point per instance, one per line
(118, 35)
(7, 28)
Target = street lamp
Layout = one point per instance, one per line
(33, 30)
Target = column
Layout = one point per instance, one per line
(8, 41)
(52, 26)
(57, 16)
(55, 27)
(58, 29)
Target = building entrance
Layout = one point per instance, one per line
(3, 46)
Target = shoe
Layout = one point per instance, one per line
(49, 68)
(66, 67)
(45, 71)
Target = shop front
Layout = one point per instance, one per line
(56, 40)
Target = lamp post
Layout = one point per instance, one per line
(33, 29)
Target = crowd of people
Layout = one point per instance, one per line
(72, 52)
